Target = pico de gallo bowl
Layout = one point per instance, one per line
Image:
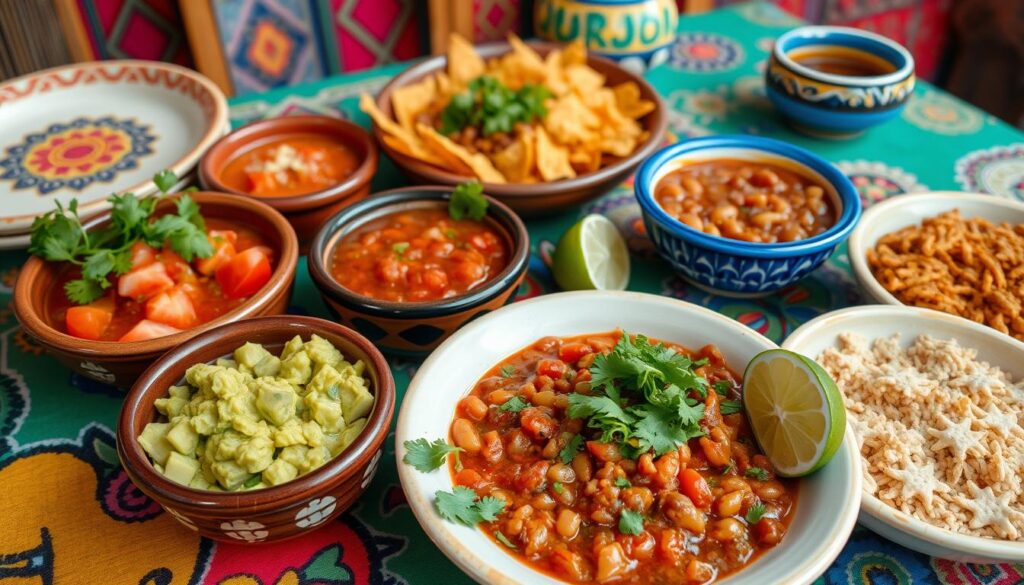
(409, 266)
(154, 297)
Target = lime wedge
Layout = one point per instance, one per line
(795, 411)
(591, 255)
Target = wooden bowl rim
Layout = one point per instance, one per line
(280, 280)
(503, 218)
(352, 133)
(656, 127)
(338, 469)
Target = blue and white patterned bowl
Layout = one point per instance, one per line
(831, 105)
(732, 267)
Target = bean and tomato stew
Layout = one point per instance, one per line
(744, 200)
(583, 510)
(419, 255)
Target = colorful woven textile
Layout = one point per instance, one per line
(70, 515)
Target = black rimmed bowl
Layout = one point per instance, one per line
(414, 328)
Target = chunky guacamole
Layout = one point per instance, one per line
(259, 419)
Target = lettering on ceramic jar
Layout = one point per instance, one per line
(613, 29)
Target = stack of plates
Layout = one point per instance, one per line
(88, 130)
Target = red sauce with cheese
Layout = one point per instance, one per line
(295, 165)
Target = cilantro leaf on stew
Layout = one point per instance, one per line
(630, 522)
(757, 473)
(722, 387)
(489, 508)
(514, 404)
(490, 106)
(462, 506)
(468, 201)
(729, 407)
(504, 539)
(507, 370)
(755, 513)
(427, 456)
(622, 483)
(568, 452)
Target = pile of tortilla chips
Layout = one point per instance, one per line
(587, 126)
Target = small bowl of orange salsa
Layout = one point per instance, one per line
(401, 270)
(306, 167)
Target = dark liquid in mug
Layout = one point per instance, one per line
(842, 61)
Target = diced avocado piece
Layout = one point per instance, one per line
(199, 375)
(350, 433)
(296, 368)
(170, 407)
(322, 352)
(356, 400)
(256, 454)
(246, 424)
(313, 433)
(205, 420)
(183, 392)
(275, 400)
(180, 468)
(296, 455)
(293, 346)
(268, 366)
(279, 472)
(316, 457)
(359, 367)
(251, 354)
(225, 445)
(227, 363)
(325, 411)
(154, 442)
(199, 482)
(323, 379)
(225, 383)
(183, 437)
(289, 434)
(230, 474)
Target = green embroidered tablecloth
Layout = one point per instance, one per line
(69, 514)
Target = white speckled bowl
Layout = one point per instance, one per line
(873, 321)
(907, 210)
(828, 501)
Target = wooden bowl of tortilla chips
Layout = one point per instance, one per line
(543, 126)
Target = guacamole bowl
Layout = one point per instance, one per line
(281, 511)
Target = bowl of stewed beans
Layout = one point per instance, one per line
(744, 216)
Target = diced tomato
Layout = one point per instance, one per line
(172, 307)
(142, 283)
(553, 369)
(177, 268)
(142, 255)
(229, 236)
(223, 252)
(245, 274)
(695, 487)
(147, 329)
(604, 451)
(90, 321)
(266, 252)
(572, 352)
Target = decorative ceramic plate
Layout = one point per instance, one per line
(88, 130)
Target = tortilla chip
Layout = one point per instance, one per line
(386, 124)
(552, 160)
(459, 157)
(554, 74)
(627, 97)
(516, 160)
(410, 100)
(583, 79)
(414, 150)
(585, 161)
(575, 53)
(464, 65)
(569, 120)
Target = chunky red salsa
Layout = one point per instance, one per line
(162, 294)
(418, 255)
(692, 515)
(294, 165)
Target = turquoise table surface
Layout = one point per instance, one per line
(712, 84)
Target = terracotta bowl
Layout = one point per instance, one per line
(414, 328)
(304, 212)
(533, 198)
(279, 512)
(118, 363)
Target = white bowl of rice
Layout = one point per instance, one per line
(936, 411)
(945, 255)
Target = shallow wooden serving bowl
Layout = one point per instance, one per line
(279, 512)
(414, 328)
(533, 198)
(119, 363)
(305, 212)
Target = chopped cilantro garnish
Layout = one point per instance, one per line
(253, 481)
(504, 539)
(426, 456)
(514, 404)
(461, 505)
(757, 473)
(622, 483)
(630, 522)
(569, 450)
(730, 407)
(491, 106)
(400, 247)
(558, 487)
(727, 468)
(507, 370)
(722, 387)
(755, 513)
(468, 200)
(641, 398)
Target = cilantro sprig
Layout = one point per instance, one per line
(463, 506)
(427, 456)
(468, 200)
(59, 236)
(490, 106)
(631, 522)
(514, 404)
(641, 397)
(757, 473)
(755, 513)
(568, 452)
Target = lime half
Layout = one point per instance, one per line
(795, 410)
(591, 255)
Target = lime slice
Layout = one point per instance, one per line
(592, 255)
(795, 410)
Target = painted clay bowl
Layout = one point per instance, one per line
(279, 512)
(87, 130)
(118, 363)
(414, 328)
(533, 198)
(305, 212)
